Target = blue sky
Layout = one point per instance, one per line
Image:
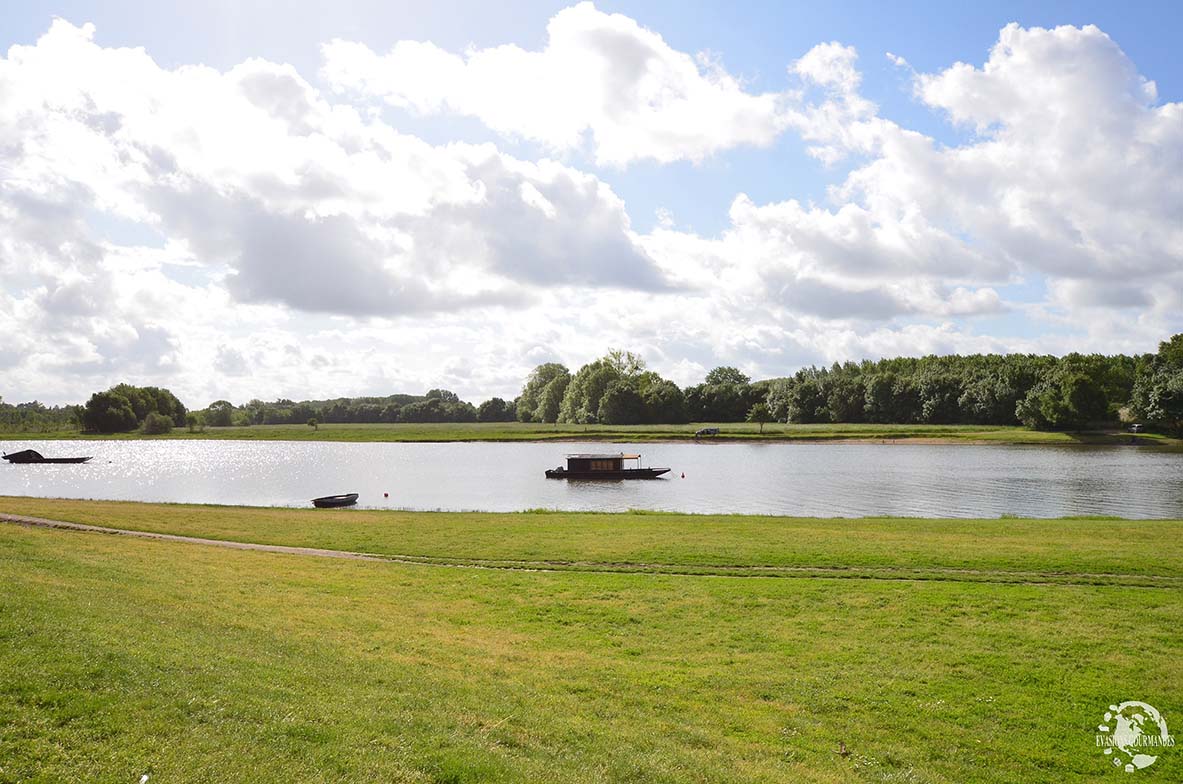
(833, 253)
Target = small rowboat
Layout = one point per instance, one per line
(33, 456)
(331, 501)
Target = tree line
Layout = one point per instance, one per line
(438, 405)
(1039, 391)
(36, 417)
(617, 389)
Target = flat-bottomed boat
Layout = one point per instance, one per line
(591, 466)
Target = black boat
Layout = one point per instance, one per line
(584, 466)
(33, 456)
(331, 501)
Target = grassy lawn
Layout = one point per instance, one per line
(123, 656)
(522, 431)
(651, 540)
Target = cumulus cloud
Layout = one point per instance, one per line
(599, 74)
(277, 225)
(302, 202)
(1071, 177)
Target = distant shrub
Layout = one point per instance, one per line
(157, 424)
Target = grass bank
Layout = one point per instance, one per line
(524, 431)
(598, 540)
(121, 656)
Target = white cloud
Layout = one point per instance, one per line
(599, 74)
(1073, 177)
(301, 201)
(307, 248)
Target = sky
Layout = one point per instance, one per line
(313, 199)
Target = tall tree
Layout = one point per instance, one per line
(540, 377)
(727, 375)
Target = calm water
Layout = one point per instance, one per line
(829, 480)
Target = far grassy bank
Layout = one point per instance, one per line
(735, 431)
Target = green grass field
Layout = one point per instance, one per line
(936, 651)
(522, 431)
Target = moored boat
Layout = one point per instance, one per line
(331, 501)
(594, 466)
(33, 456)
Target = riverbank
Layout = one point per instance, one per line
(734, 431)
(564, 659)
(545, 538)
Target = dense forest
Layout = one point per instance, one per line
(1040, 391)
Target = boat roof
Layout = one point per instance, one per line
(613, 456)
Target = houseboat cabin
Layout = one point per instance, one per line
(591, 466)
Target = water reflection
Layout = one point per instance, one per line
(830, 480)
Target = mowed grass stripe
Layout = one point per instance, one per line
(706, 570)
(120, 657)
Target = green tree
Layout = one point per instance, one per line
(879, 400)
(939, 393)
(195, 421)
(551, 400)
(1170, 352)
(1157, 395)
(427, 410)
(625, 363)
(1160, 400)
(532, 393)
(845, 397)
(1067, 401)
(220, 413)
(621, 404)
(664, 403)
(495, 410)
(777, 398)
(1084, 400)
(760, 413)
(727, 375)
(156, 424)
(581, 400)
(807, 401)
(109, 412)
(443, 394)
(312, 423)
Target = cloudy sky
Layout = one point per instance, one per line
(321, 199)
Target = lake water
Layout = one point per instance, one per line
(827, 480)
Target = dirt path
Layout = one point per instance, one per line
(1016, 577)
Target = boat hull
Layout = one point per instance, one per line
(625, 473)
(28, 457)
(335, 501)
